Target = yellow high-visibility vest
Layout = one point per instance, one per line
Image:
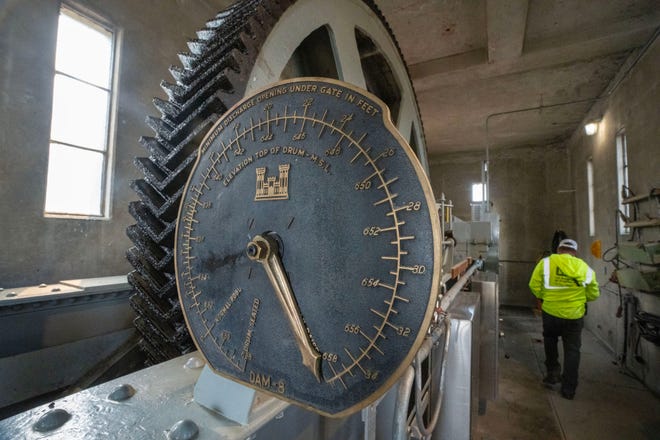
(564, 283)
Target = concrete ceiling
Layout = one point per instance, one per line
(515, 72)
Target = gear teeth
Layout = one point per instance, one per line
(206, 34)
(160, 258)
(163, 302)
(149, 195)
(173, 91)
(161, 332)
(152, 173)
(155, 148)
(197, 47)
(163, 312)
(215, 54)
(159, 286)
(233, 12)
(178, 73)
(160, 127)
(198, 104)
(215, 23)
(221, 18)
(167, 108)
(155, 353)
(210, 78)
(157, 280)
(165, 207)
(164, 333)
(161, 180)
(188, 60)
(169, 342)
(159, 232)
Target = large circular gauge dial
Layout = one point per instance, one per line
(307, 247)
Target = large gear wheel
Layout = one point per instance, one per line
(247, 46)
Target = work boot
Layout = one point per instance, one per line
(567, 394)
(551, 379)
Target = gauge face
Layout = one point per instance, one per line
(307, 248)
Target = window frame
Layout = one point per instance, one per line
(622, 175)
(97, 22)
(590, 197)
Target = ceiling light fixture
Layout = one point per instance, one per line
(591, 127)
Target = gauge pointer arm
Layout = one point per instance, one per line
(265, 251)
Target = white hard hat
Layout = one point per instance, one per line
(568, 243)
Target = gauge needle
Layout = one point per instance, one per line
(265, 251)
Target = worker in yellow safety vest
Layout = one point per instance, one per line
(564, 283)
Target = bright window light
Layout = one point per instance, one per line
(80, 121)
(80, 184)
(622, 178)
(80, 113)
(590, 197)
(477, 192)
(84, 49)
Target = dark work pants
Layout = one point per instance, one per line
(570, 331)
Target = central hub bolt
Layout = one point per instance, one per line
(257, 249)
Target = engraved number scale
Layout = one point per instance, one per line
(307, 246)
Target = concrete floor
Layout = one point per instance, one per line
(608, 404)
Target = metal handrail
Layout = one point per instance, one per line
(426, 431)
(448, 297)
(413, 374)
(400, 426)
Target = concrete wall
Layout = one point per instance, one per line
(45, 250)
(633, 106)
(528, 191)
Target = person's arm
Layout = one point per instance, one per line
(592, 291)
(536, 281)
